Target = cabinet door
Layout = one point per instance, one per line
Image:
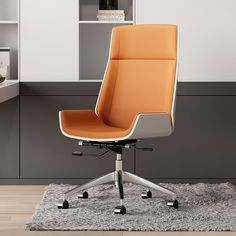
(9, 139)
(202, 147)
(49, 40)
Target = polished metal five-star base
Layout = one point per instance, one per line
(118, 177)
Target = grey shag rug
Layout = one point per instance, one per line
(203, 207)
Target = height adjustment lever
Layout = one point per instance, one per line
(80, 154)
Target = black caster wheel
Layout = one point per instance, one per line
(120, 210)
(146, 194)
(63, 205)
(174, 204)
(83, 195)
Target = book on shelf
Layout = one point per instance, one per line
(111, 18)
(111, 12)
(111, 15)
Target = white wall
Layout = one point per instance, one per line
(207, 35)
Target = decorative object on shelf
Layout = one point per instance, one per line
(108, 11)
(108, 4)
(2, 77)
(4, 63)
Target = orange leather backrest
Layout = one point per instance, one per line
(140, 75)
(144, 42)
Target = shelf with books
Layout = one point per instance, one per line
(89, 11)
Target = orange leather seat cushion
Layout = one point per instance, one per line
(86, 124)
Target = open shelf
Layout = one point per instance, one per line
(9, 11)
(104, 22)
(9, 38)
(8, 83)
(8, 90)
(8, 22)
(88, 9)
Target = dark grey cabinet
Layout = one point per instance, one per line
(46, 153)
(203, 145)
(9, 139)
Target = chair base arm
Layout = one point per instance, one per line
(126, 178)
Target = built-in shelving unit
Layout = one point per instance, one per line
(94, 37)
(9, 33)
(66, 44)
(9, 37)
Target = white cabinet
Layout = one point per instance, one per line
(49, 40)
(62, 40)
(207, 35)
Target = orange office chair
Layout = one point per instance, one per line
(136, 101)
